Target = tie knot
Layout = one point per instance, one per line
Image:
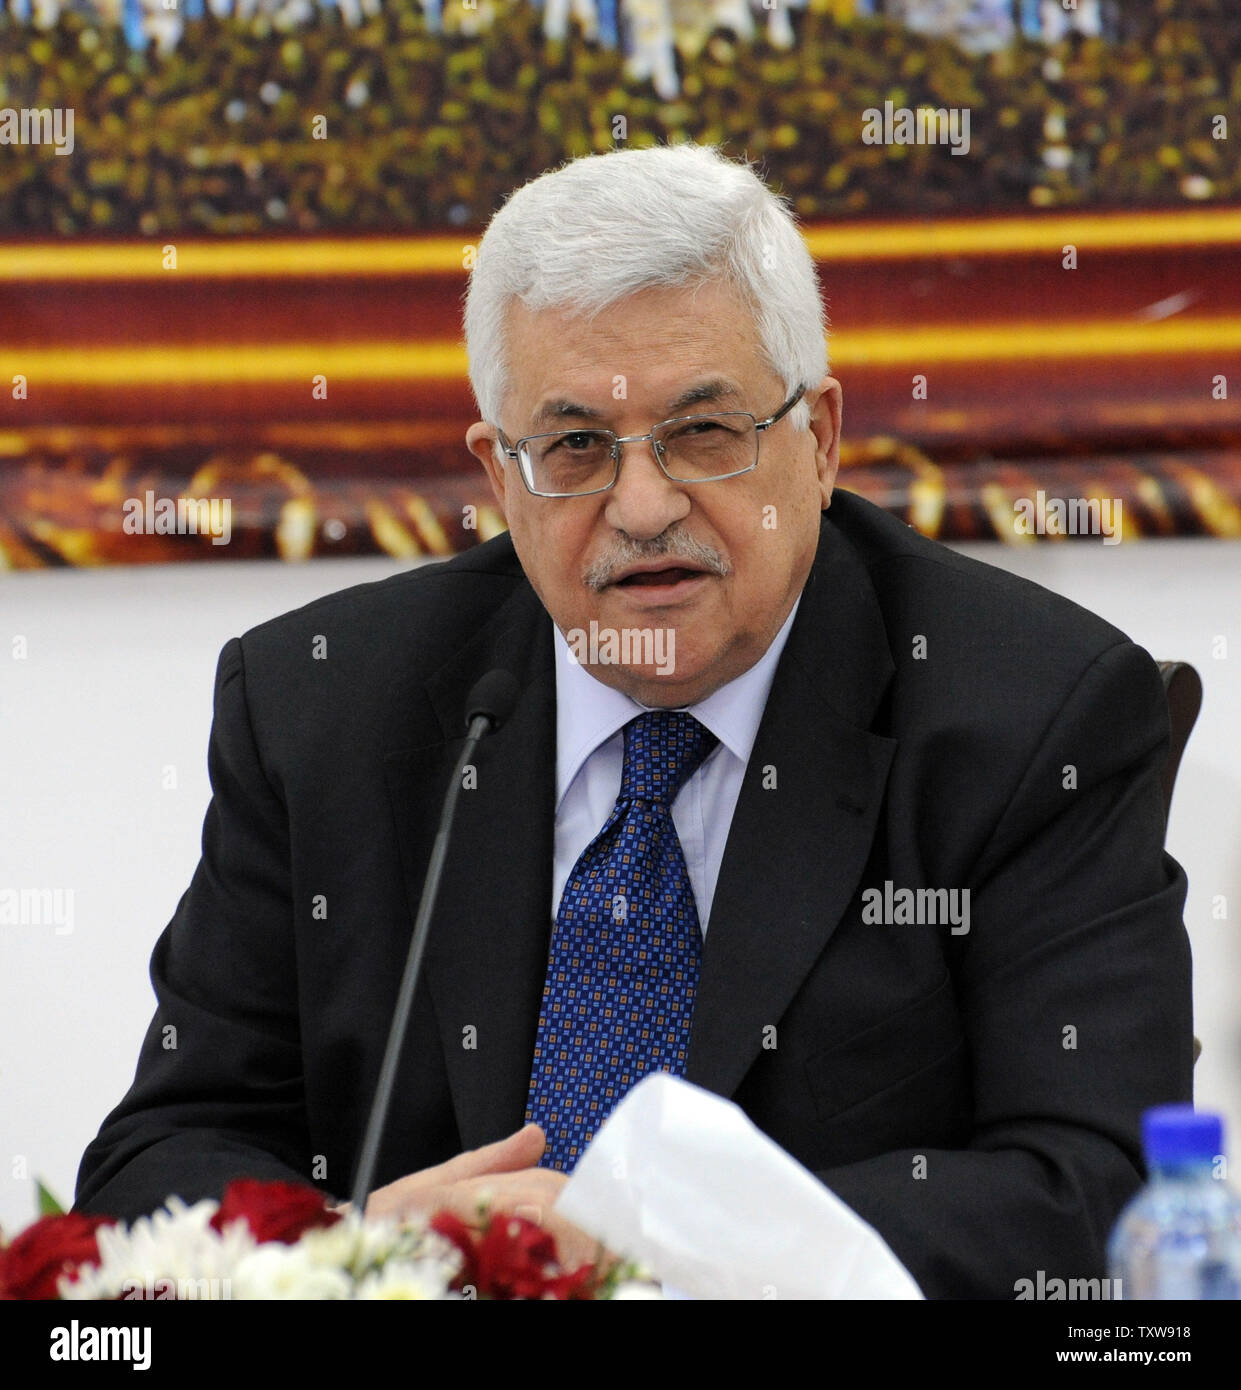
(663, 750)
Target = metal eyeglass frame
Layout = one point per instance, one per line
(514, 450)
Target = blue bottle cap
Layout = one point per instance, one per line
(1178, 1134)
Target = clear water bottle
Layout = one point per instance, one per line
(1180, 1237)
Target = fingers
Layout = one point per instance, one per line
(497, 1177)
(531, 1193)
(508, 1155)
(422, 1190)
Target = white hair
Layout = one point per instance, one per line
(599, 228)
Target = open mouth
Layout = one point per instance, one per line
(656, 578)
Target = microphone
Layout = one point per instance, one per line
(490, 703)
(493, 698)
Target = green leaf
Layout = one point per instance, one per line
(48, 1205)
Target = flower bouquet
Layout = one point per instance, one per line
(276, 1240)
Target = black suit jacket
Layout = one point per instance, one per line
(933, 723)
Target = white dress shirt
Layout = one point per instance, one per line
(590, 750)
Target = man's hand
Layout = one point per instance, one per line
(502, 1174)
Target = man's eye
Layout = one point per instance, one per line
(695, 429)
(578, 442)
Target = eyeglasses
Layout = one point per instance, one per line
(689, 449)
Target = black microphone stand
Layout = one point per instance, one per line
(491, 701)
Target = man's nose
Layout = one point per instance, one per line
(645, 501)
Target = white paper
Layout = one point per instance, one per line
(682, 1182)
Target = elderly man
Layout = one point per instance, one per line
(793, 801)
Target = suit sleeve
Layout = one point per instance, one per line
(1074, 990)
(218, 1090)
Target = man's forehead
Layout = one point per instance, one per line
(675, 349)
(558, 407)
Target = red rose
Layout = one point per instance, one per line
(516, 1259)
(509, 1258)
(54, 1245)
(449, 1225)
(274, 1210)
(512, 1258)
(580, 1285)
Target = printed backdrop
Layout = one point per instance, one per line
(233, 241)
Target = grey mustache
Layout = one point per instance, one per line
(604, 572)
(673, 548)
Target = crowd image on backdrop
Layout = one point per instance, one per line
(377, 116)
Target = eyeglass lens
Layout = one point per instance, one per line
(694, 450)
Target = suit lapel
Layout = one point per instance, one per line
(487, 952)
(805, 818)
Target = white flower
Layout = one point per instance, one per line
(174, 1244)
(282, 1271)
(633, 1289)
(408, 1279)
(352, 1244)
(175, 1253)
(361, 1247)
(336, 1247)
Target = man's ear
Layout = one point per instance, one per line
(480, 439)
(826, 411)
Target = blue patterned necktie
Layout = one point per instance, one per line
(622, 970)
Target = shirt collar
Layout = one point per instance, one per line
(588, 712)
